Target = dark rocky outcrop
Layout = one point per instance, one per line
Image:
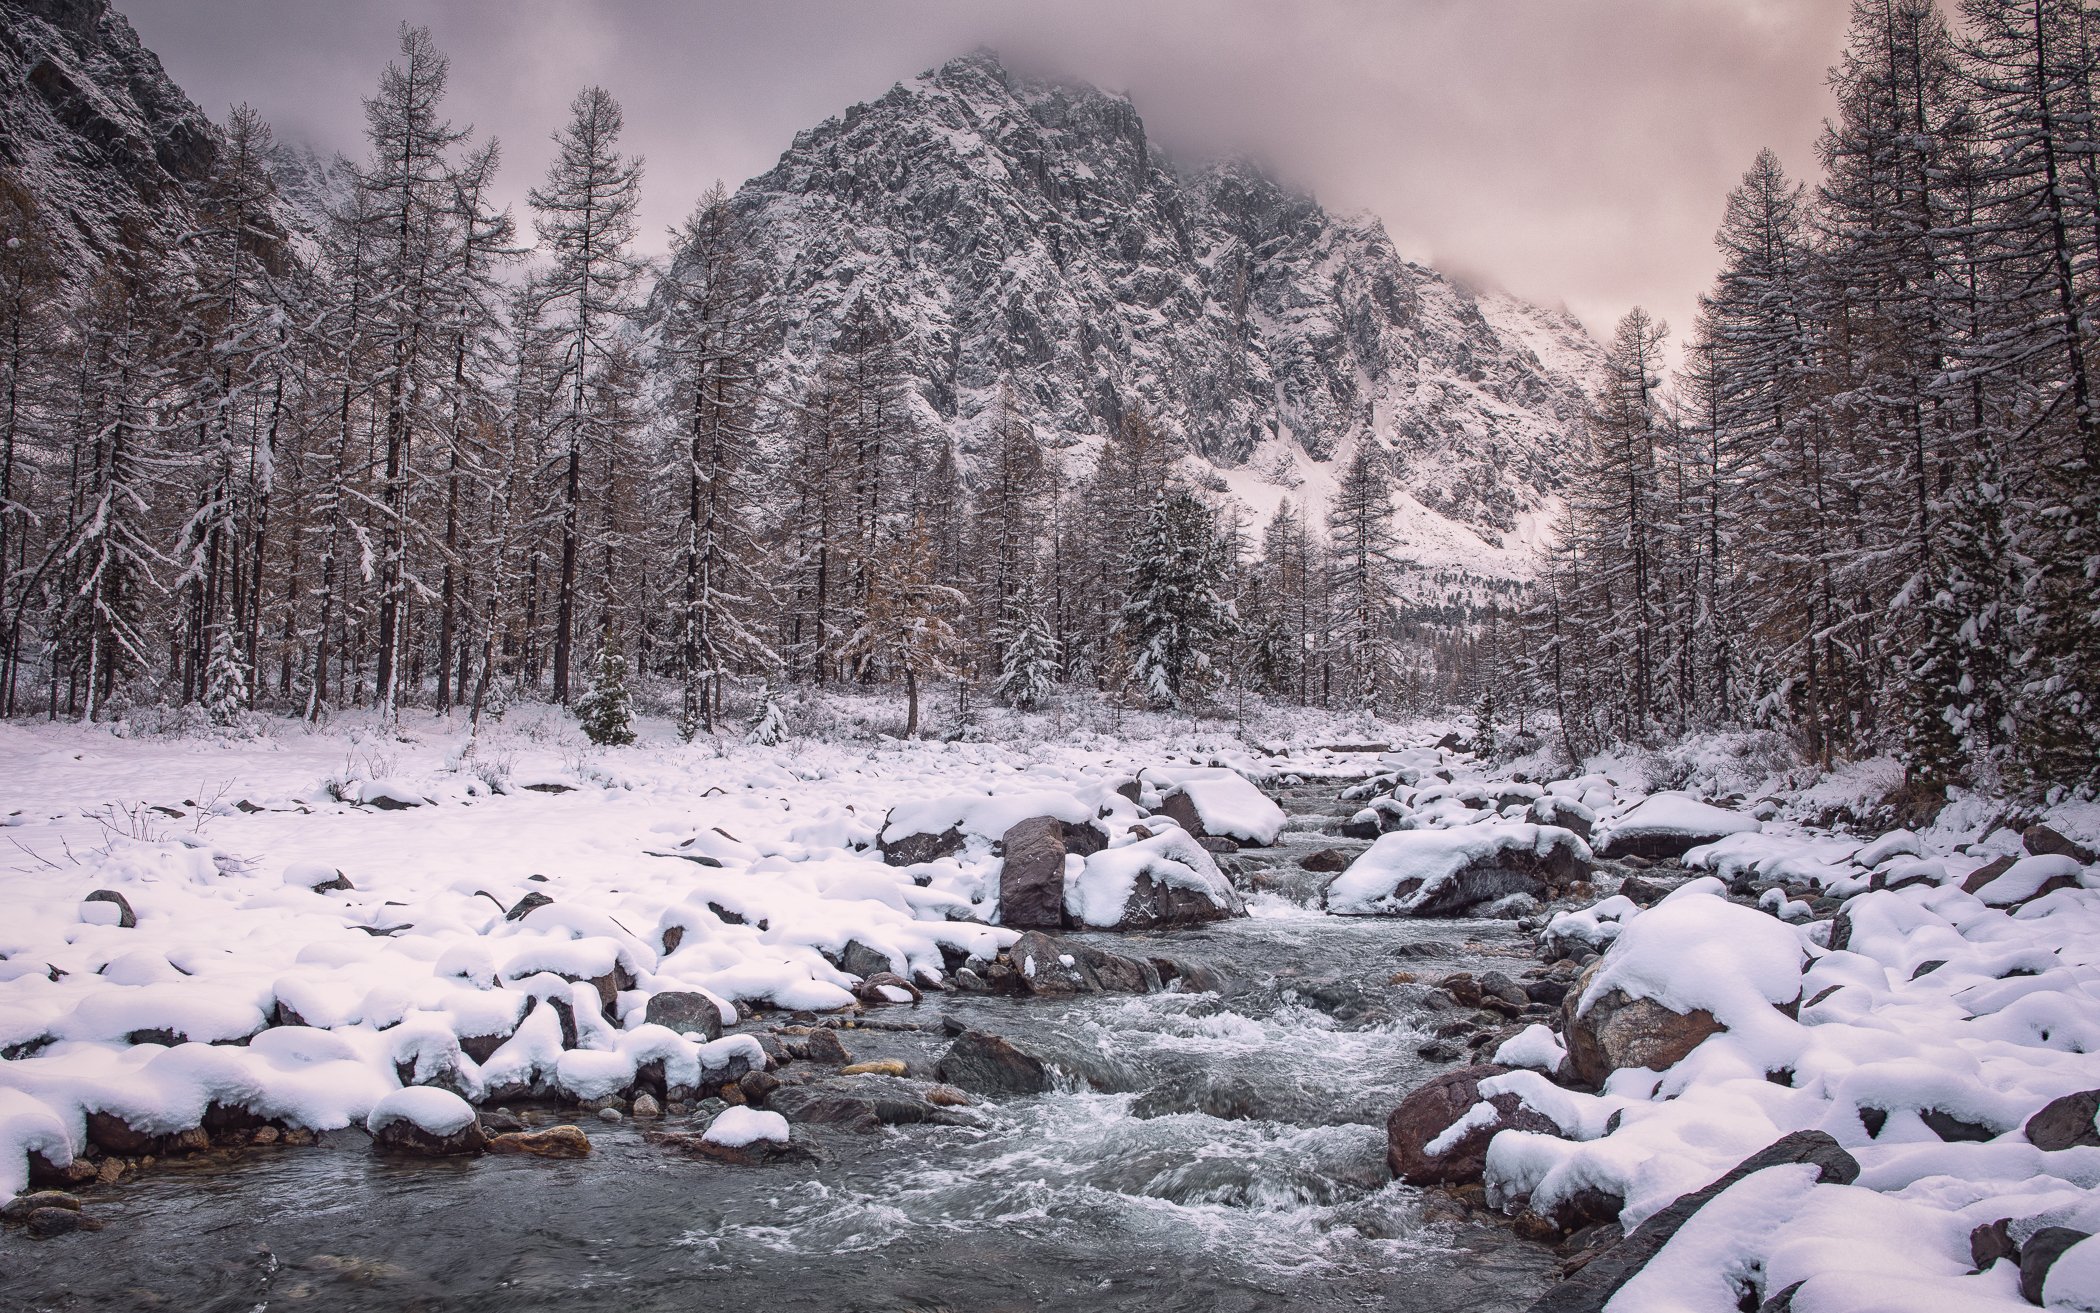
(859, 959)
(2039, 1254)
(1038, 964)
(1593, 1286)
(1177, 805)
(2044, 841)
(685, 1012)
(2066, 1123)
(911, 849)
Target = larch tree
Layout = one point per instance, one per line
(584, 214)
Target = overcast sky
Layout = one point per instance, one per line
(1576, 152)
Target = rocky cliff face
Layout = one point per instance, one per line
(92, 127)
(1027, 235)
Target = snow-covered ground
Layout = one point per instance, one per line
(176, 907)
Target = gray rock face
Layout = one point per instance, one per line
(97, 132)
(990, 1064)
(1029, 233)
(1032, 876)
(685, 1012)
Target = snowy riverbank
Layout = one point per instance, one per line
(1926, 1001)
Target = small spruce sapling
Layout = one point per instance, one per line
(769, 726)
(1485, 739)
(606, 710)
(226, 681)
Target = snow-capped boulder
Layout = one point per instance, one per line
(1688, 968)
(1669, 825)
(1145, 883)
(1617, 1031)
(1439, 1134)
(425, 1120)
(1451, 872)
(1215, 801)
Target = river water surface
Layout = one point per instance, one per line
(1217, 1151)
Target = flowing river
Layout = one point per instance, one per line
(1215, 1152)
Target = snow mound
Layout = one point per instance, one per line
(1696, 951)
(1672, 822)
(1227, 803)
(439, 1112)
(1410, 869)
(738, 1127)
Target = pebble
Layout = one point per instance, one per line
(646, 1106)
(609, 1114)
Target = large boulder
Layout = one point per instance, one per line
(1218, 802)
(685, 1012)
(1669, 825)
(1153, 882)
(427, 1122)
(2045, 841)
(1032, 875)
(1435, 1107)
(1452, 872)
(1618, 1031)
(2066, 1123)
(990, 1064)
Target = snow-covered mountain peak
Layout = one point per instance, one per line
(1028, 235)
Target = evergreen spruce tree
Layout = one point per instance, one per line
(768, 725)
(606, 709)
(226, 680)
(1174, 620)
(1030, 661)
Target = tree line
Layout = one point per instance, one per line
(399, 456)
(1867, 507)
